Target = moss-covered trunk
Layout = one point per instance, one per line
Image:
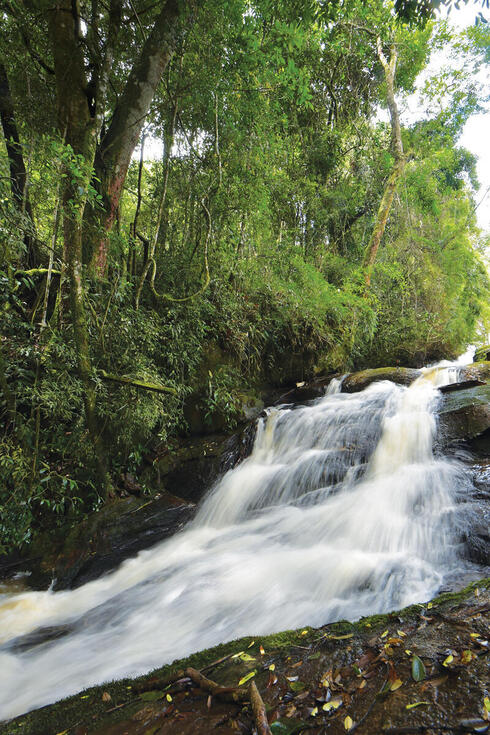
(389, 67)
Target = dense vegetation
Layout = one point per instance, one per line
(140, 291)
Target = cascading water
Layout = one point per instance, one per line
(341, 510)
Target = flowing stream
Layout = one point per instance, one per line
(341, 510)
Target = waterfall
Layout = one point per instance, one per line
(341, 510)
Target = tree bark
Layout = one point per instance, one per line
(117, 145)
(384, 208)
(79, 125)
(18, 173)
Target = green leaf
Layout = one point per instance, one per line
(418, 669)
(415, 704)
(247, 677)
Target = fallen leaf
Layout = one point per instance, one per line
(251, 644)
(418, 669)
(272, 667)
(383, 635)
(467, 656)
(314, 712)
(245, 657)
(247, 677)
(168, 698)
(415, 704)
(348, 723)
(448, 660)
(401, 633)
(262, 651)
(272, 680)
(106, 697)
(304, 632)
(209, 702)
(332, 705)
(396, 685)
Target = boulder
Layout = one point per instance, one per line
(482, 353)
(464, 414)
(477, 371)
(356, 382)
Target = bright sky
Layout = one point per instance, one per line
(476, 132)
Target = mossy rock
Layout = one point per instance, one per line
(356, 382)
(482, 353)
(72, 556)
(477, 371)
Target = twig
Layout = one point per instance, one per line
(228, 694)
(137, 383)
(218, 661)
(258, 709)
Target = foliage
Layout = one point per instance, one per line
(272, 181)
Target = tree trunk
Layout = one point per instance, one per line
(117, 146)
(79, 126)
(398, 167)
(18, 174)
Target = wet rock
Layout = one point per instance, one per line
(238, 447)
(189, 469)
(477, 371)
(482, 353)
(477, 542)
(461, 385)
(356, 382)
(464, 414)
(68, 558)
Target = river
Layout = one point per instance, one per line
(341, 510)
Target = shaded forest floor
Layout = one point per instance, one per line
(423, 669)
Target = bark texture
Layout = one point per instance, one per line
(18, 173)
(76, 120)
(117, 145)
(384, 208)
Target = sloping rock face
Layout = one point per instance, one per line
(464, 414)
(356, 382)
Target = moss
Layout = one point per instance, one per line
(358, 381)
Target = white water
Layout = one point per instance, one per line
(341, 510)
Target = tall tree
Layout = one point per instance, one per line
(18, 173)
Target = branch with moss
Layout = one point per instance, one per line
(138, 383)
